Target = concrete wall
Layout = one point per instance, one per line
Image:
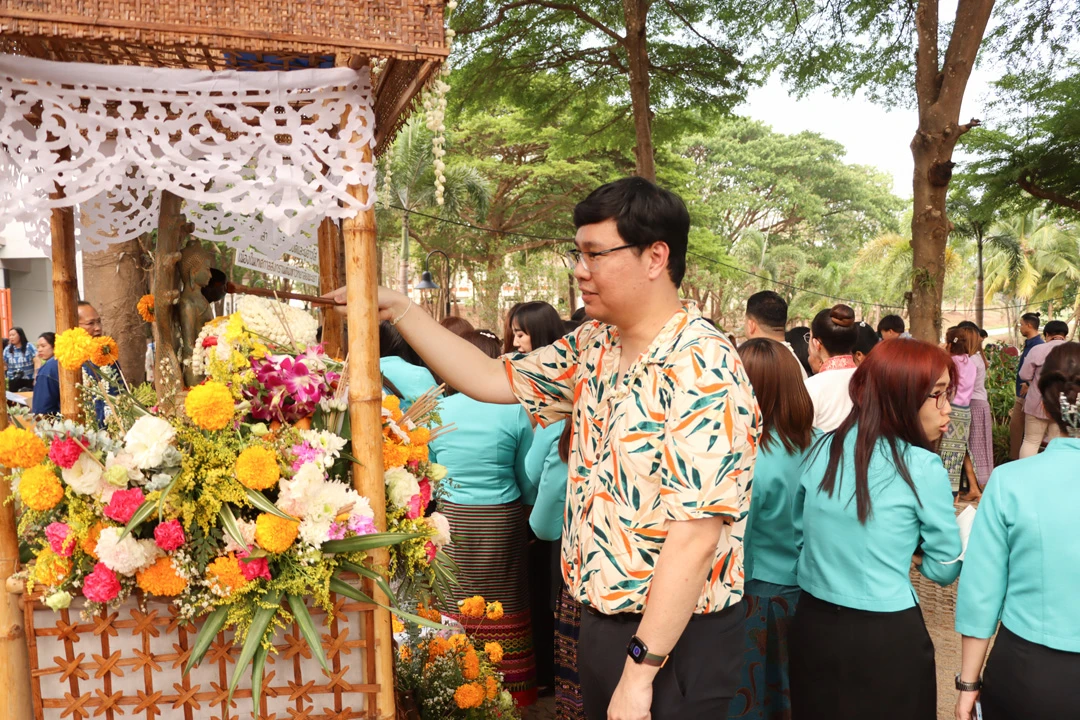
(28, 273)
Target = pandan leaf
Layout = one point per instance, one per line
(261, 502)
(341, 587)
(211, 627)
(231, 527)
(144, 511)
(371, 575)
(268, 608)
(308, 630)
(258, 668)
(372, 541)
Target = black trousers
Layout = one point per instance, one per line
(851, 664)
(698, 681)
(1027, 681)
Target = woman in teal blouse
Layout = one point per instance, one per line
(871, 493)
(771, 592)
(1023, 567)
(403, 372)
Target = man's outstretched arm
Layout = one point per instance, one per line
(460, 363)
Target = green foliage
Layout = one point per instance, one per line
(1001, 371)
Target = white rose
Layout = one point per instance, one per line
(441, 526)
(86, 476)
(401, 485)
(126, 556)
(147, 441)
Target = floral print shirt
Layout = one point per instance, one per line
(674, 439)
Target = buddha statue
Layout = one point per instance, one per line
(195, 266)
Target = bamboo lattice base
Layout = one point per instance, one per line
(128, 664)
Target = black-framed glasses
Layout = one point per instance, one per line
(588, 257)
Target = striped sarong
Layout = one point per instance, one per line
(568, 703)
(981, 440)
(490, 548)
(954, 445)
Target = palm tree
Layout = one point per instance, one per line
(412, 186)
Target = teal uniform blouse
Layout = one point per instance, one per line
(485, 455)
(1023, 558)
(771, 554)
(865, 567)
(412, 380)
(547, 475)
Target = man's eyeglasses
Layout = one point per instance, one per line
(588, 258)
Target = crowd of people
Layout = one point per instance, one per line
(734, 527)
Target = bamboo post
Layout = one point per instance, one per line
(65, 296)
(365, 412)
(14, 657)
(333, 334)
(168, 375)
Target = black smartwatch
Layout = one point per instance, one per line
(639, 653)
(968, 686)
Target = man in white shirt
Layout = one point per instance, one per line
(766, 317)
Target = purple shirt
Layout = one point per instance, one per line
(980, 378)
(1030, 372)
(965, 380)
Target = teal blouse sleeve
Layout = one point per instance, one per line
(797, 505)
(983, 581)
(940, 533)
(546, 518)
(524, 432)
(538, 452)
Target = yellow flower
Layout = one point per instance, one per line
(470, 665)
(161, 579)
(226, 574)
(495, 611)
(146, 308)
(73, 348)
(473, 607)
(105, 351)
(40, 489)
(275, 534)
(234, 329)
(50, 569)
(21, 448)
(257, 468)
(89, 543)
(394, 455)
(405, 653)
(397, 625)
(210, 406)
(494, 652)
(492, 687)
(470, 695)
(418, 453)
(437, 647)
(459, 641)
(420, 436)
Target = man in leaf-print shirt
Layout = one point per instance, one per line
(665, 435)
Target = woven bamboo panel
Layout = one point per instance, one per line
(127, 664)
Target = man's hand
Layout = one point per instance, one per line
(633, 696)
(391, 303)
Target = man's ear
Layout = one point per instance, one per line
(658, 254)
(751, 326)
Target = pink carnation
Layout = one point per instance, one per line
(60, 538)
(255, 568)
(169, 535)
(361, 525)
(65, 452)
(101, 586)
(425, 492)
(123, 505)
(418, 503)
(431, 550)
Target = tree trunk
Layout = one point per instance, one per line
(979, 281)
(940, 92)
(114, 283)
(636, 12)
(571, 292)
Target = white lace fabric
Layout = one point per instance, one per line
(259, 157)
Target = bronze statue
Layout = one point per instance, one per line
(195, 267)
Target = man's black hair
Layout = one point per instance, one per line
(895, 323)
(1032, 319)
(644, 214)
(768, 309)
(1056, 327)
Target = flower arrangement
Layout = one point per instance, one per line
(449, 675)
(76, 347)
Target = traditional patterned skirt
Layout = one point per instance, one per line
(765, 691)
(568, 704)
(489, 546)
(954, 445)
(981, 440)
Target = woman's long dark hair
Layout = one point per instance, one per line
(22, 337)
(787, 412)
(887, 393)
(50, 337)
(540, 321)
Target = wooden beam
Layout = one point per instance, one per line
(65, 296)
(403, 101)
(330, 278)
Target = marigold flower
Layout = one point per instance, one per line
(470, 695)
(257, 468)
(494, 652)
(146, 308)
(210, 406)
(275, 534)
(73, 348)
(473, 607)
(105, 351)
(418, 453)
(429, 614)
(492, 687)
(50, 569)
(459, 641)
(396, 625)
(437, 647)
(495, 611)
(161, 579)
(405, 653)
(227, 574)
(394, 455)
(420, 436)
(89, 543)
(21, 448)
(40, 489)
(470, 665)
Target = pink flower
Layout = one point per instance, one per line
(65, 452)
(361, 525)
(123, 505)
(425, 492)
(169, 535)
(101, 586)
(304, 454)
(60, 539)
(254, 568)
(431, 550)
(336, 532)
(415, 508)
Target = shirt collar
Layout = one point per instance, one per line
(1032, 342)
(664, 342)
(1063, 443)
(839, 362)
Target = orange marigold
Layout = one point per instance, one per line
(405, 653)
(436, 648)
(429, 614)
(275, 534)
(473, 607)
(420, 436)
(226, 574)
(40, 489)
(21, 448)
(459, 641)
(161, 579)
(210, 406)
(495, 611)
(105, 351)
(492, 687)
(50, 569)
(146, 308)
(418, 453)
(257, 468)
(470, 665)
(89, 543)
(470, 695)
(396, 625)
(394, 455)
(494, 652)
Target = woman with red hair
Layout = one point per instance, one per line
(871, 494)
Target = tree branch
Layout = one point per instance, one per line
(675, 11)
(565, 7)
(967, 37)
(1027, 182)
(926, 54)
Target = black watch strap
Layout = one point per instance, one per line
(968, 686)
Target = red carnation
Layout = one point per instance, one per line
(123, 505)
(101, 586)
(65, 453)
(169, 535)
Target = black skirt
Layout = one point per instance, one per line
(853, 664)
(1028, 681)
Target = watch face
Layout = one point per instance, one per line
(636, 649)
